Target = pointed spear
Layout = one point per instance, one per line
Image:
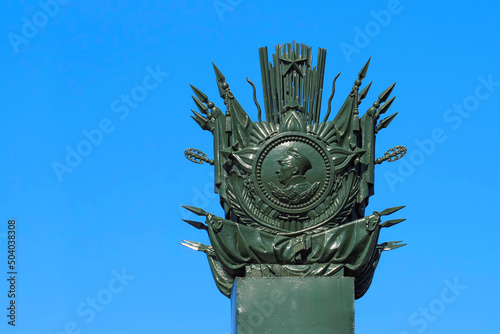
(218, 74)
(359, 80)
(387, 246)
(392, 222)
(385, 122)
(198, 225)
(383, 108)
(362, 73)
(220, 81)
(364, 92)
(203, 108)
(198, 115)
(195, 210)
(202, 121)
(202, 96)
(197, 246)
(385, 94)
(390, 210)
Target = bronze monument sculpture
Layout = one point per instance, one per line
(294, 187)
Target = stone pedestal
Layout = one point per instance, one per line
(293, 305)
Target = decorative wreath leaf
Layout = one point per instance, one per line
(250, 210)
(307, 194)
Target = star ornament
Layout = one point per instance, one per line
(293, 64)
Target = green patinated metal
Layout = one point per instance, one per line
(293, 187)
(292, 305)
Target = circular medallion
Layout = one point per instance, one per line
(293, 173)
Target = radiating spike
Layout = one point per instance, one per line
(200, 94)
(385, 94)
(195, 210)
(320, 80)
(218, 74)
(362, 73)
(203, 108)
(392, 222)
(389, 210)
(385, 122)
(198, 225)
(364, 92)
(327, 131)
(383, 108)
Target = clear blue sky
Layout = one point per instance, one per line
(91, 210)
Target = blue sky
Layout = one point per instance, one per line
(96, 117)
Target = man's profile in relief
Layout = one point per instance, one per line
(291, 174)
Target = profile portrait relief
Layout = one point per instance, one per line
(291, 173)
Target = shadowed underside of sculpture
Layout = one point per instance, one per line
(293, 187)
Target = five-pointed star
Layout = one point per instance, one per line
(292, 63)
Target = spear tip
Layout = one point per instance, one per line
(362, 73)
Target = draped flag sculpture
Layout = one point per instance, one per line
(293, 186)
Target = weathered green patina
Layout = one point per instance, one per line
(293, 305)
(293, 187)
